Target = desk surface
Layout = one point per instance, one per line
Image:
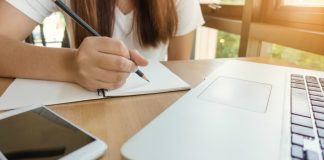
(115, 120)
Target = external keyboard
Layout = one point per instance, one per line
(307, 117)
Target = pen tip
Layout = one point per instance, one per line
(144, 77)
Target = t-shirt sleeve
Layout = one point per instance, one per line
(37, 10)
(189, 15)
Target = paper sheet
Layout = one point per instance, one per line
(25, 92)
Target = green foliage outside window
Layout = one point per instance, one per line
(301, 58)
(227, 45)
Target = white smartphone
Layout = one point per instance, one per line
(39, 133)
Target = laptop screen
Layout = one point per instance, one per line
(39, 134)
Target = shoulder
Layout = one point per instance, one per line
(189, 15)
(37, 10)
(188, 3)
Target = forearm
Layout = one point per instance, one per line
(20, 60)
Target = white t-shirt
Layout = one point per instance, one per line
(189, 15)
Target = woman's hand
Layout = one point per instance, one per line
(104, 63)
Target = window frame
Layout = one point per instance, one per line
(303, 17)
(284, 28)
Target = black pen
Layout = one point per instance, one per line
(87, 27)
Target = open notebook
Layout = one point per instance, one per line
(24, 92)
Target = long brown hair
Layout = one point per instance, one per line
(154, 21)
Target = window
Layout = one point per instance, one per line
(219, 42)
(286, 29)
(302, 14)
(232, 1)
(297, 14)
(212, 43)
(51, 31)
(227, 45)
(299, 57)
(313, 3)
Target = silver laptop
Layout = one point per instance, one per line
(244, 111)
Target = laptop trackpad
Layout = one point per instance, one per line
(248, 95)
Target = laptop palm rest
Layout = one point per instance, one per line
(242, 94)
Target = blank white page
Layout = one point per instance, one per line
(26, 92)
(161, 80)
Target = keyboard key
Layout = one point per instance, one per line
(315, 93)
(318, 109)
(297, 152)
(322, 143)
(297, 75)
(319, 116)
(302, 121)
(316, 98)
(313, 85)
(317, 103)
(297, 81)
(311, 79)
(304, 131)
(320, 132)
(311, 155)
(297, 139)
(321, 80)
(314, 89)
(296, 85)
(296, 78)
(299, 102)
(319, 123)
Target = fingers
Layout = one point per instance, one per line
(110, 76)
(97, 78)
(137, 58)
(109, 45)
(103, 62)
(103, 79)
(111, 62)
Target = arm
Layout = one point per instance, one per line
(21, 60)
(100, 62)
(180, 47)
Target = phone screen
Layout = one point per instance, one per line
(39, 134)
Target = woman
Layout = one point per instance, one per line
(153, 28)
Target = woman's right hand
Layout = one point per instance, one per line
(104, 63)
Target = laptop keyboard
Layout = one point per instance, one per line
(307, 117)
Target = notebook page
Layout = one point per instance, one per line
(26, 92)
(161, 80)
